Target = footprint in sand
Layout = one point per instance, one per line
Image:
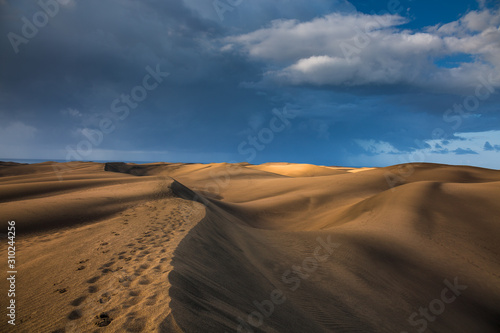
(110, 263)
(93, 289)
(126, 279)
(102, 320)
(134, 293)
(151, 300)
(75, 314)
(94, 279)
(78, 301)
(135, 324)
(144, 281)
(131, 302)
(104, 298)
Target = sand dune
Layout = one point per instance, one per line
(276, 247)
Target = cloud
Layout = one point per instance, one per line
(292, 40)
(477, 21)
(464, 149)
(356, 49)
(377, 147)
(461, 151)
(471, 143)
(489, 147)
(463, 143)
(293, 52)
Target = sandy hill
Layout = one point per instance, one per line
(276, 247)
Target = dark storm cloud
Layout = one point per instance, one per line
(64, 81)
(92, 52)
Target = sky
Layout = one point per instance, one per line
(329, 82)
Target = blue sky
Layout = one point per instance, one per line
(359, 83)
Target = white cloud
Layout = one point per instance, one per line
(291, 40)
(360, 49)
(377, 147)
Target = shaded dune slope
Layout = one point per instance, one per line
(394, 248)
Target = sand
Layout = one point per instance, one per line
(276, 247)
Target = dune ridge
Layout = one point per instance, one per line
(396, 249)
(243, 248)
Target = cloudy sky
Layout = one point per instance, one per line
(332, 82)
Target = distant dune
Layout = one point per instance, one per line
(277, 247)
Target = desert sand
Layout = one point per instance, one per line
(276, 247)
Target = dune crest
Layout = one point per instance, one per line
(241, 248)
